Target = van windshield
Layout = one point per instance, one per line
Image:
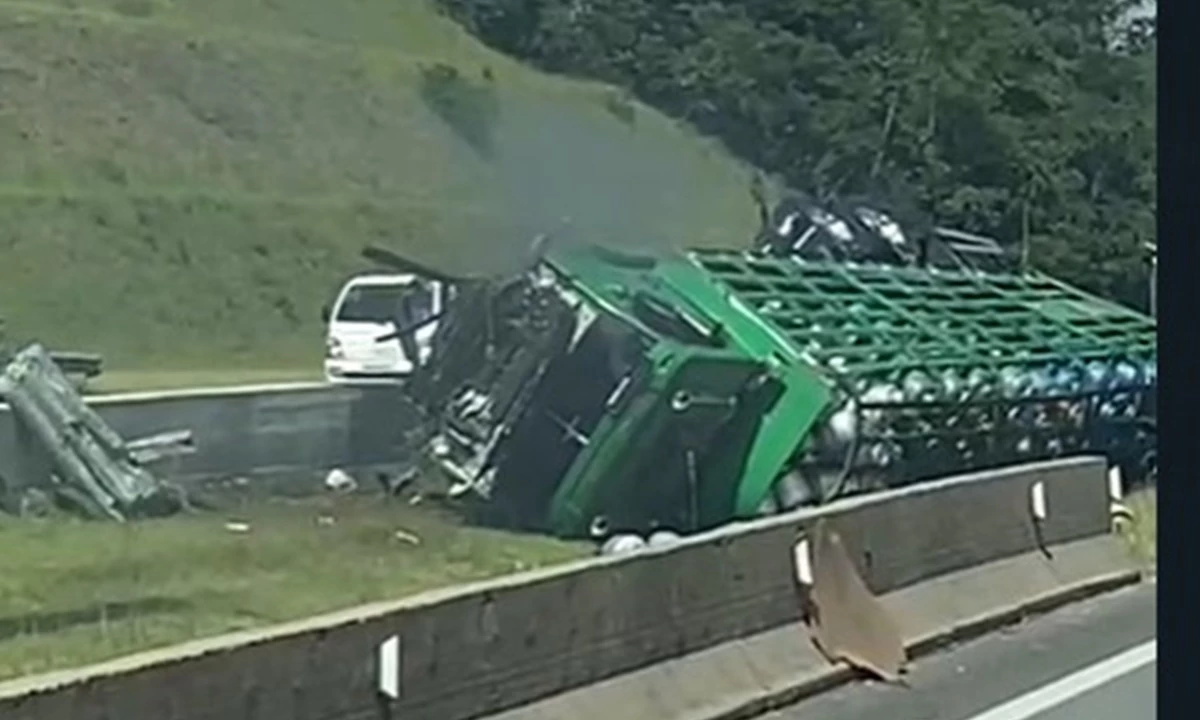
(386, 303)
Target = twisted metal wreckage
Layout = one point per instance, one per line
(601, 393)
(71, 458)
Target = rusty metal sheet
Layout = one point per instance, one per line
(848, 623)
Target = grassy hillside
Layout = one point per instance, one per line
(185, 182)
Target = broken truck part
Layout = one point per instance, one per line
(847, 622)
(601, 392)
(74, 455)
(80, 367)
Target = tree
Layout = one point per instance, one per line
(1031, 120)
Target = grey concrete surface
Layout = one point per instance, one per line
(742, 678)
(281, 437)
(963, 682)
(480, 649)
(1130, 697)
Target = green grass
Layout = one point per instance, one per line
(146, 380)
(74, 592)
(186, 183)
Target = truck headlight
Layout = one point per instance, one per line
(333, 349)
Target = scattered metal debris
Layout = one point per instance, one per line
(162, 446)
(78, 459)
(33, 503)
(79, 367)
(405, 536)
(340, 481)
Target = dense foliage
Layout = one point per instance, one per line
(1030, 120)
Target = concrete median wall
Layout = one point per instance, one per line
(474, 650)
(272, 432)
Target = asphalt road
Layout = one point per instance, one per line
(1094, 660)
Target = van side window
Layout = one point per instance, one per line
(386, 303)
(367, 303)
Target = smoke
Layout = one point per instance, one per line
(580, 174)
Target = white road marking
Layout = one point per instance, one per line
(1074, 685)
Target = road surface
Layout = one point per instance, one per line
(1095, 660)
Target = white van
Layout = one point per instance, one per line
(370, 308)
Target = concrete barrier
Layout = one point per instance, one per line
(275, 432)
(470, 651)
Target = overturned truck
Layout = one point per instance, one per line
(605, 392)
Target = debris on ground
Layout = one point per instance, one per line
(622, 544)
(155, 448)
(70, 453)
(81, 368)
(848, 623)
(285, 568)
(407, 537)
(339, 480)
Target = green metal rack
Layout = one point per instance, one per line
(868, 321)
(944, 371)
